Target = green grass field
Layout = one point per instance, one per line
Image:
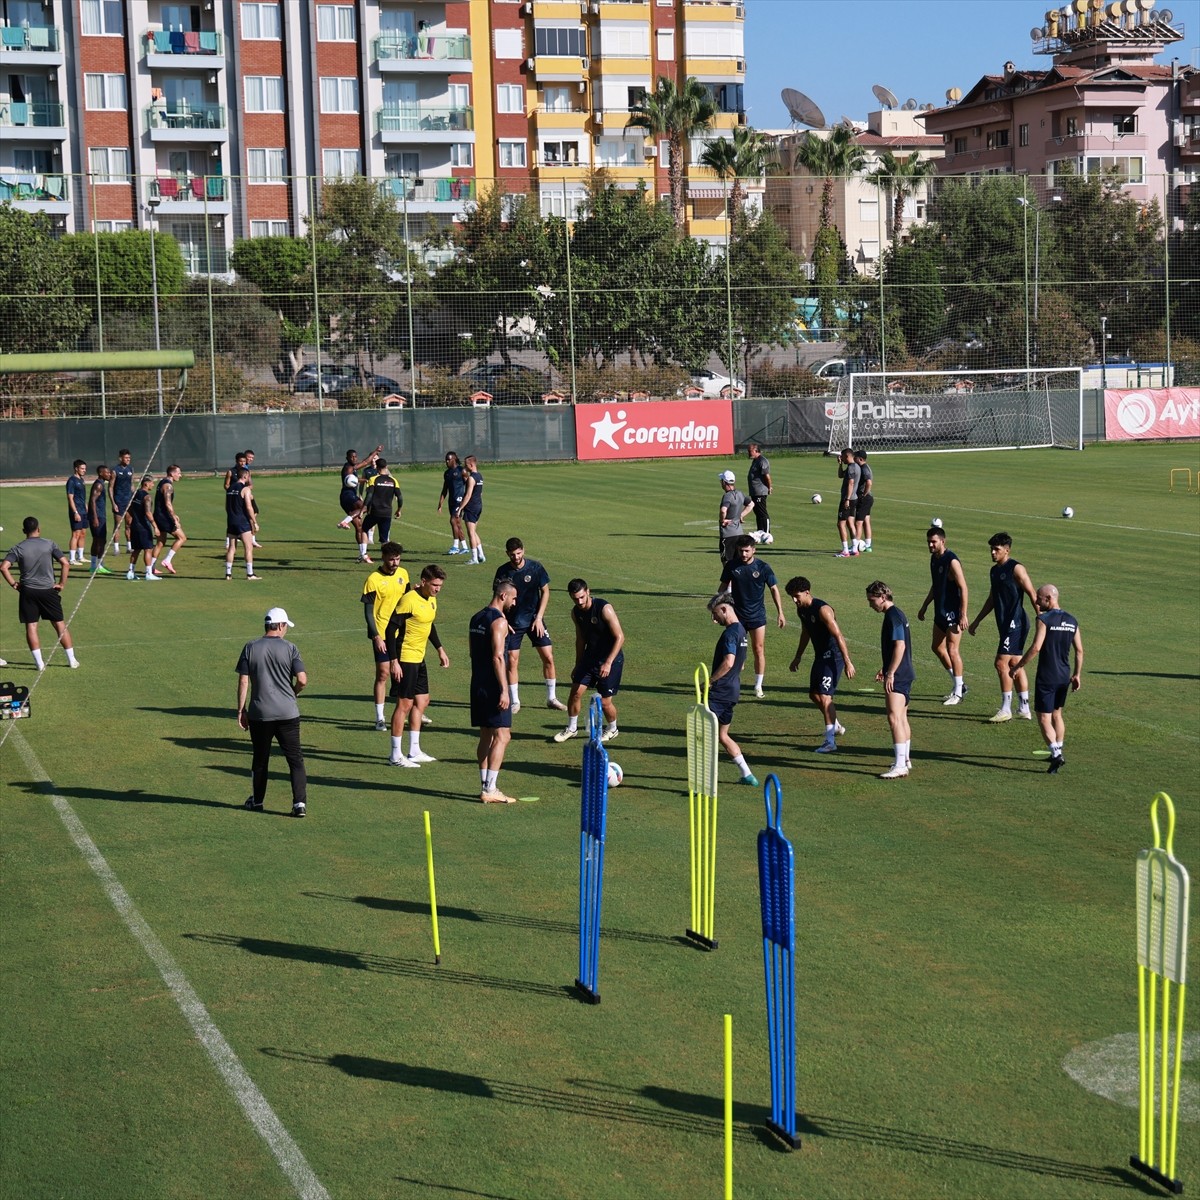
(959, 933)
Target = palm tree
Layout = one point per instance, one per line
(900, 178)
(677, 114)
(837, 155)
(745, 156)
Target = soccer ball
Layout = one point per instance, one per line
(816, 498)
(1068, 513)
(936, 523)
(767, 538)
(351, 481)
(615, 774)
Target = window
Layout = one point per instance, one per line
(563, 42)
(341, 163)
(1128, 170)
(713, 40)
(868, 211)
(960, 145)
(185, 18)
(870, 249)
(335, 23)
(462, 154)
(102, 17)
(264, 93)
(339, 94)
(1124, 123)
(635, 97)
(267, 165)
(510, 43)
(109, 164)
(997, 139)
(664, 47)
(1072, 127)
(558, 154)
(624, 41)
(268, 229)
(460, 96)
(512, 154)
(554, 203)
(620, 152)
(558, 99)
(510, 98)
(406, 163)
(111, 226)
(1023, 135)
(260, 21)
(105, 92)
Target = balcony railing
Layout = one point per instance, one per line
(19, 112)
(441, 190)
(419, 118)
(191, 116)
(29, 37)
(14, 186)
(163, 41)
(393, 47)
(193, 188)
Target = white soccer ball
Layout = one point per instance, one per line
(1068, 513)
(768, 539)
(816, 497)
(350, 481)
(615, 774)
(936, 523)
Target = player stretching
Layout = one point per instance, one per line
(1010, 585)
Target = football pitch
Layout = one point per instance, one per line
(966, 976)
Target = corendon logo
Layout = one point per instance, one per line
(654, 429)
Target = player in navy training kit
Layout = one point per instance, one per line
(1057, 635)
(143, 532)
(818, 624)
(382, 492)
(896, 674)
(77, 510)
(98, 518)
(169, 525)
(725, 678)
(1010, 584)
(747, 580)
(470, 509)
(240, 522)
(490, 711)
(120, 495)
(454, 488)
(528, 619)
(348, 499)
(948, 595)
(599, 658)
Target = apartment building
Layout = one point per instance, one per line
(219, 119)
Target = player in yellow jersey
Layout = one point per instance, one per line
(409, 631)
(380, 595)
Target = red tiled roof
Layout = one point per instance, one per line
(915, 140)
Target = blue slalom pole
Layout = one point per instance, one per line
(593, 817)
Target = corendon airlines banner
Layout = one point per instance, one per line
(1152, 413)
(654, 429)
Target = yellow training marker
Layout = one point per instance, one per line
(702, 752)
(437, 946)
(728, 1106)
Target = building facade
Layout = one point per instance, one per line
(219, 119)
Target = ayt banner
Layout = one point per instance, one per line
(1152, 413)
(654, 429)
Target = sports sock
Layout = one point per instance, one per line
(249, 568)
(758, 681)
(611, 727)
(740, 762)
(151, 564)
(907, 751)
(958, 685)
(845, 546)
(1006, 701)
(95, 561)
(867, 544)
(37, 658)
(229, 570)
(379, 712)
(489, 780)
(830, 730)
(414, 742)
(397, 746)
(1024, 699)
(901, 756)
(167, 560)
(573, 724)
(514, 696)
(70, 652)
(551, 687)
(149, 570)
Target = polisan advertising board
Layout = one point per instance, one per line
(653, 429)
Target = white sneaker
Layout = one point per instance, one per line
(565, 735)
(839, 729)
(402, 762)
(152, 578)
(895, 773)
(609, 735)
(1003, 715)
(515, 707)
(758, 693)
(130, 575)
(1024, 715)
(419, 756)
(74, 665)
(555, 703)
(953, 698)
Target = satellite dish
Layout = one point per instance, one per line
(954, 95)
(847, 121)
(886, 98)
(1036, 35)
(1166, 15)
(801, 109)
(910, 105)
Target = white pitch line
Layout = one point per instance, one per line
(245, 1091)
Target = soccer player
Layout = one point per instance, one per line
(948, 595)
(599, 658)
(231, 477)
(747, 580)
(169, 525)
(1057, 635)
(864, 503)
(818, 624)
(758, 488)
(454, 488)
(382, 492)
(348, 498)
(734, 506)
(471, 507)
(77, 510)
(409, 631)
(121, 493)
(97, 510)
(143, 532)
(725, 678)
(849, 474)
(40, 596)
(896, 674)
(528, 619)
(1010, 585)
(380, 595)
(241, 524)
(490, 711)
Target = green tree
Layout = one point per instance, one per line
(744, 156)
(899, 177)
(127, 273)
(913, 289)
(244, 328)
(677, 114)
(1185, 270)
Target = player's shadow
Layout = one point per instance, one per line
(383, 964)
(279, 771)
(226, 714)
(123, 796)
(1145, 674)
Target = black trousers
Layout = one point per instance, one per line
(762, 518)
(287, 734)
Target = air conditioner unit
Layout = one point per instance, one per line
(530, 63)
(596, 140)
(651, 151)
(585, 63)
(595, 7)
(1181, 138)
(741, 66)
(527, 10)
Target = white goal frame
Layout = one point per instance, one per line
(898, 402)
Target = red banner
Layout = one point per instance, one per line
(1151, 413)
(653, 429)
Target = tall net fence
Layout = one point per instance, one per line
(353, 293)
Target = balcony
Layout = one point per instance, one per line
(190, 194)
(427, 195)
(32, 45)
(36, 193)
(187, 123)
(413, 124)
(565, 67)
(32, 122)
(170, 50)
(436, 55)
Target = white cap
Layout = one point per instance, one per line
(727, 477)
(276, 616)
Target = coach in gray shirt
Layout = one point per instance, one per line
(40, 596)
(734, 506)
(271, 674)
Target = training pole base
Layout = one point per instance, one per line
(706, 943)
(790, 1140)
(1174, 1186)
(586, 993)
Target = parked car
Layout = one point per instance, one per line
(331, 378)
(507, 385)
(715, 386)
(380, 385)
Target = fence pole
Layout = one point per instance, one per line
(570, 292)
(312, 235)
(212, 343)
(99, 294)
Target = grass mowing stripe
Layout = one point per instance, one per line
(261, 1115)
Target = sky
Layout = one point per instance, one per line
(834, 50)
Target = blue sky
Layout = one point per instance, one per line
(834, 50)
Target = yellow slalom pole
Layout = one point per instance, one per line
(1170, 1163)
(1145, 1058)
(437, 945)
(728, 1106)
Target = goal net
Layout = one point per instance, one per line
(956, 410)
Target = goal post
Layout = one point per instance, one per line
(947, 411)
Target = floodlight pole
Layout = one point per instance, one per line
(1103, 353)
(1023, 201)
(412, 345)
(152, 203)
